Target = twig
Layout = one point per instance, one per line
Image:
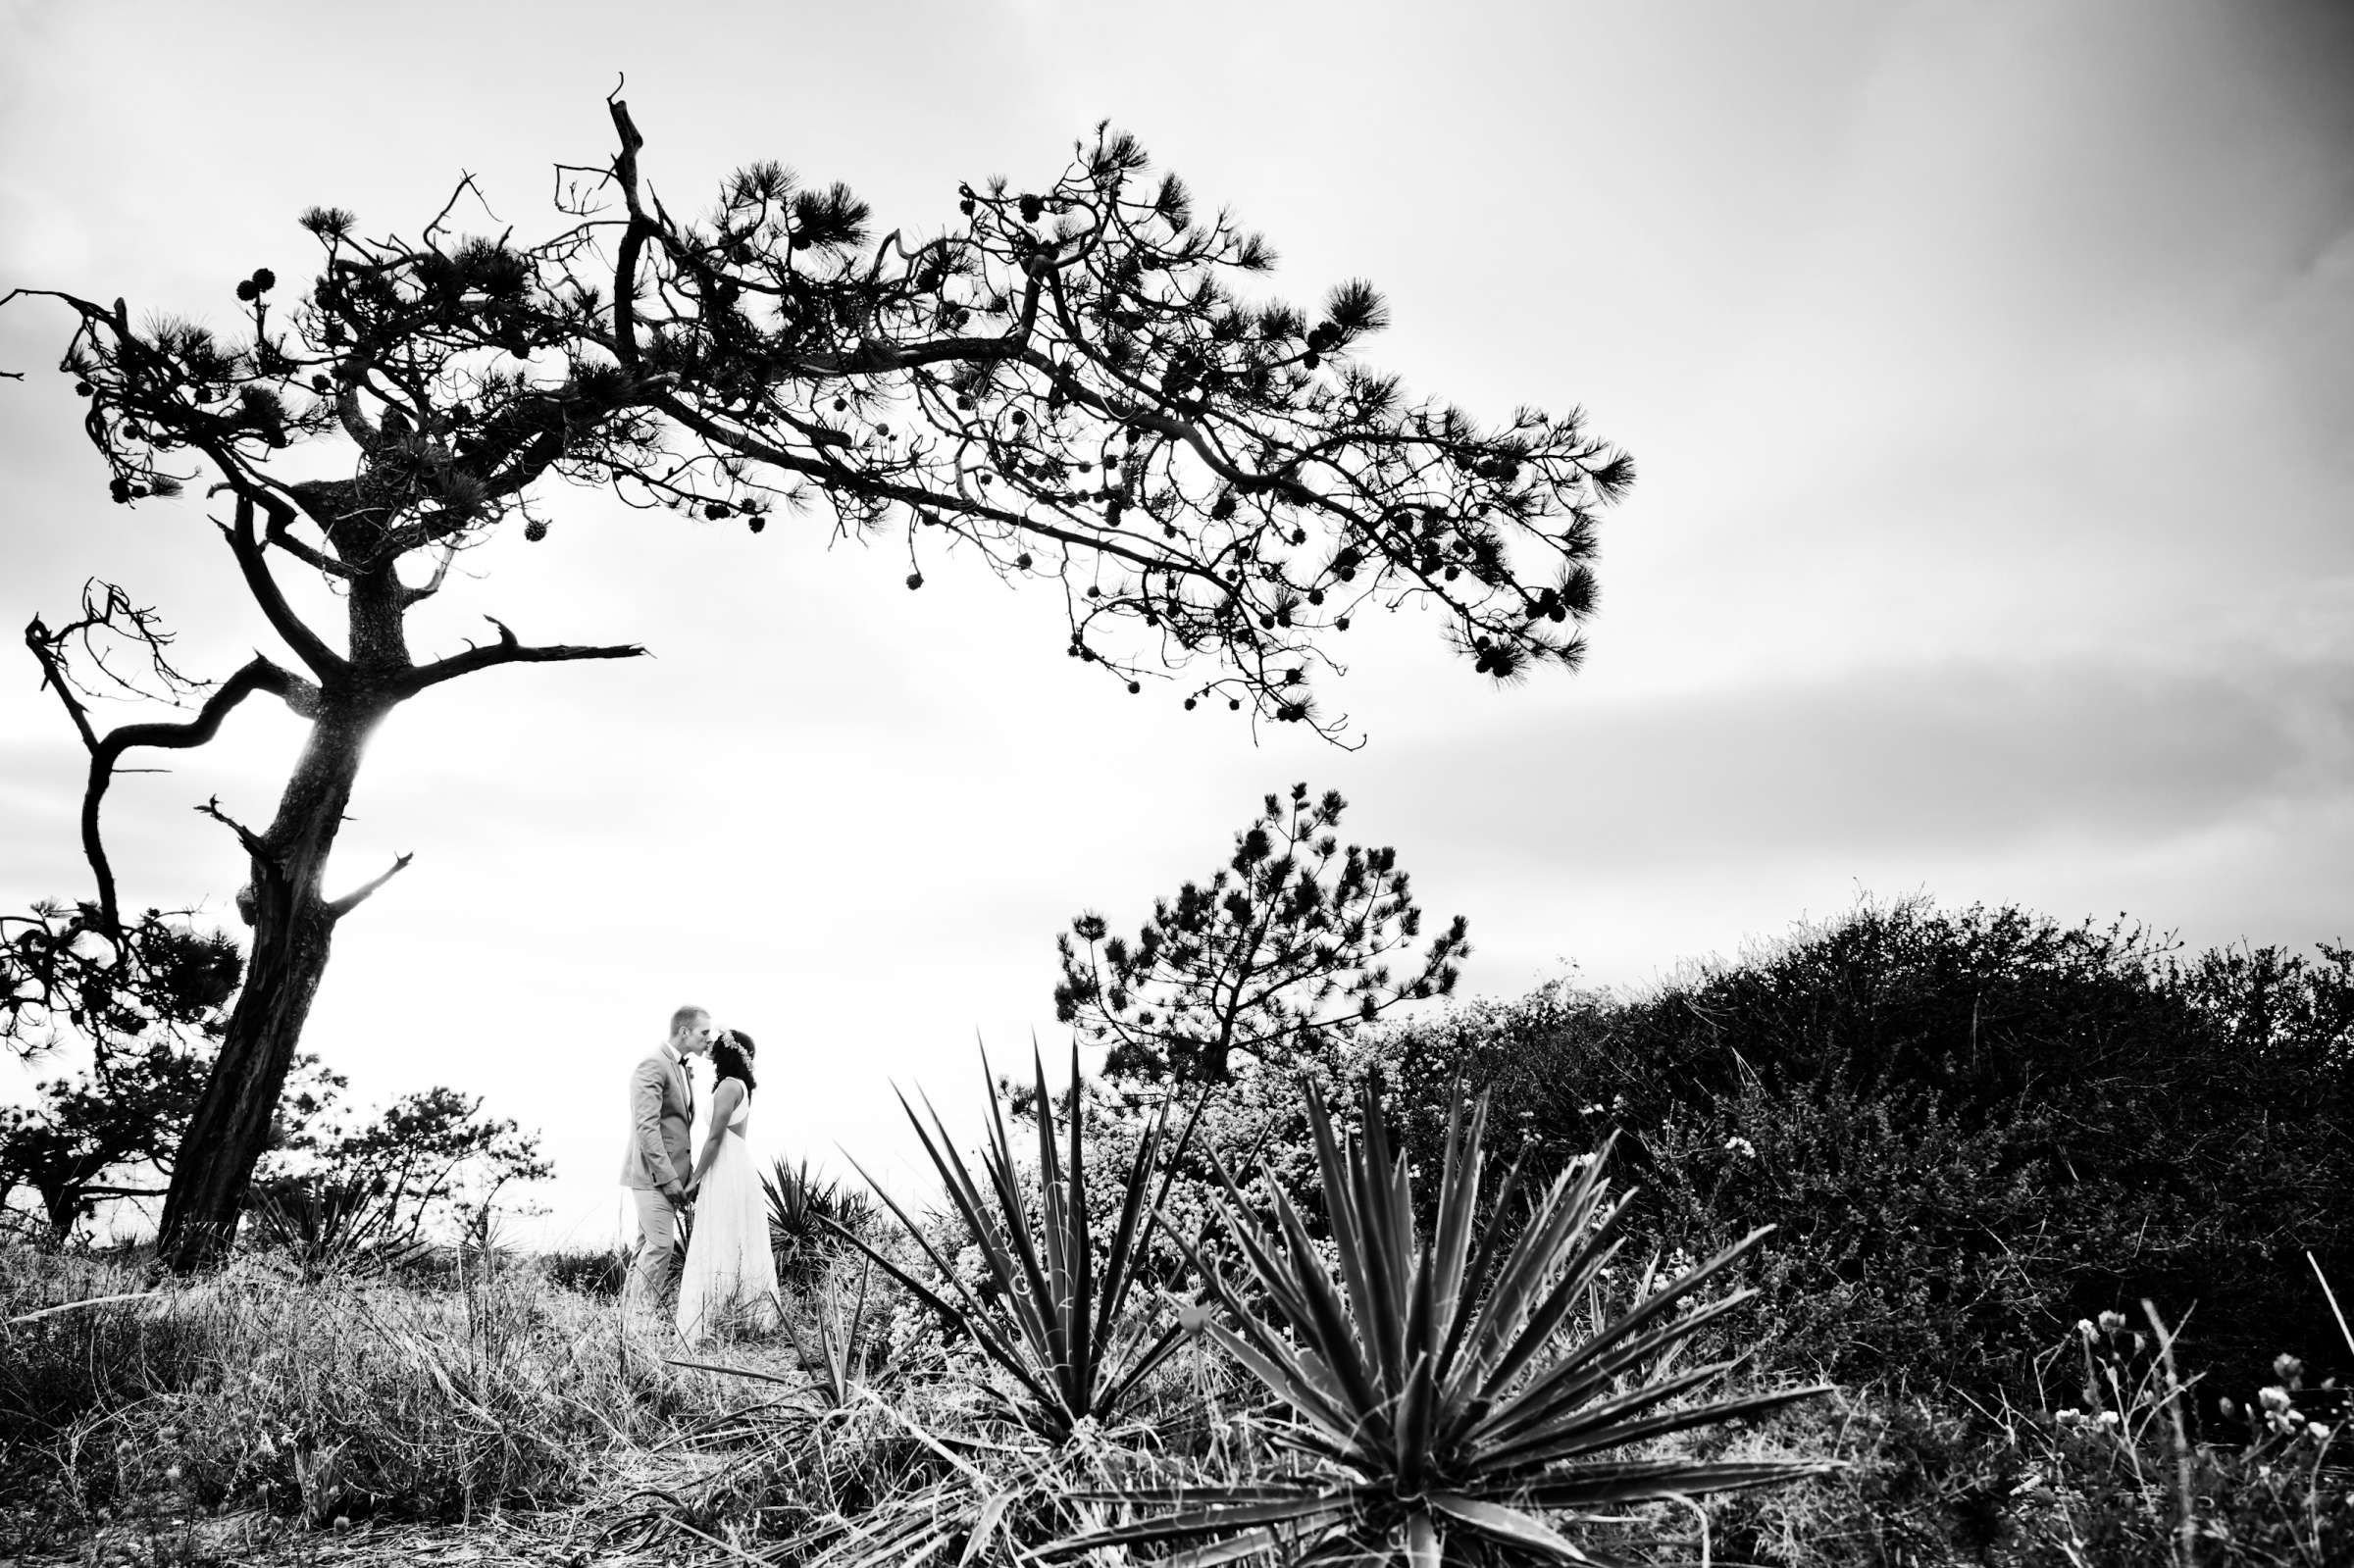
(508, 649)
(2186, 1533)
(254, 845)
(360, 895)
(87, 1301)
(732, 1372)
(727, 1546)
(1701, 1514)
(2335, 1310)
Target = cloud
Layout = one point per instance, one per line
(1938, 758)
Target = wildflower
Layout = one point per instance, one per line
(172, 1474)
(2319, 1432)
(2280, 1412)
(2113, 1322)
(2229, 1406)
(2084, 1327)
(2110, 1418)
(2068, 1418)
(1741, 1147)
(2289, 1369)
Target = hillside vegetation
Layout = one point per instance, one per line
(2058, 1212)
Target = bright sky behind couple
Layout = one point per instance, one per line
(1986, 370)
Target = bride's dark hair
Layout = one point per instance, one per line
(732, 1057)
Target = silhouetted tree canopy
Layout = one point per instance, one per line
(1065, 384)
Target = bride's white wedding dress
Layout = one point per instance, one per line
(730, 1277)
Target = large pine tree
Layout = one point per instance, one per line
(1063, 379)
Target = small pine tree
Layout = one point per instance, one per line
(1278, 957)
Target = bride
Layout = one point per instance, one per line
(730, 1280)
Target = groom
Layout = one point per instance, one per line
(655, 1168)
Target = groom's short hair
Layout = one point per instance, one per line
(684, 1016)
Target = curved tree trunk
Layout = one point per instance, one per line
(294, 927)
(63, 1207)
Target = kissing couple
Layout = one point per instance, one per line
(730, 1277)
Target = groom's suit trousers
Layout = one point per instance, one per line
(656, 1262)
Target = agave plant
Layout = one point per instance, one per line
(1058, 1319)
(844, 1349)
(1440, 1388)
(798, 1206)
(351, 1225)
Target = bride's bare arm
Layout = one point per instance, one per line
(724, 1100)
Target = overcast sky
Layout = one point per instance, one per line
(1990, 371)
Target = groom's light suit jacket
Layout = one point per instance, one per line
(661, 1115)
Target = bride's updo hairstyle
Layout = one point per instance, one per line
(732, 1057)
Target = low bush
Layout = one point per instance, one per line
(598, 1271)
(1972, 1129)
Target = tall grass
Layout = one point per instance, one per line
(320, 1399)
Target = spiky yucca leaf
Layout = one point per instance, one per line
(1433, 1377)
(800, 1205)
(842, 1349)
(1059, 1323)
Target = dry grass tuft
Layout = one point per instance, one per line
(256, 1392)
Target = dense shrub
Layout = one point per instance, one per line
(590, 1271)
(1973, 1128)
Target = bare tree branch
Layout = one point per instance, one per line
(432, 584)
(506, 650)
(307, 645)
(255, 845)
(338, 908)
(280, 532)
(44, 645)
(106, 751)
